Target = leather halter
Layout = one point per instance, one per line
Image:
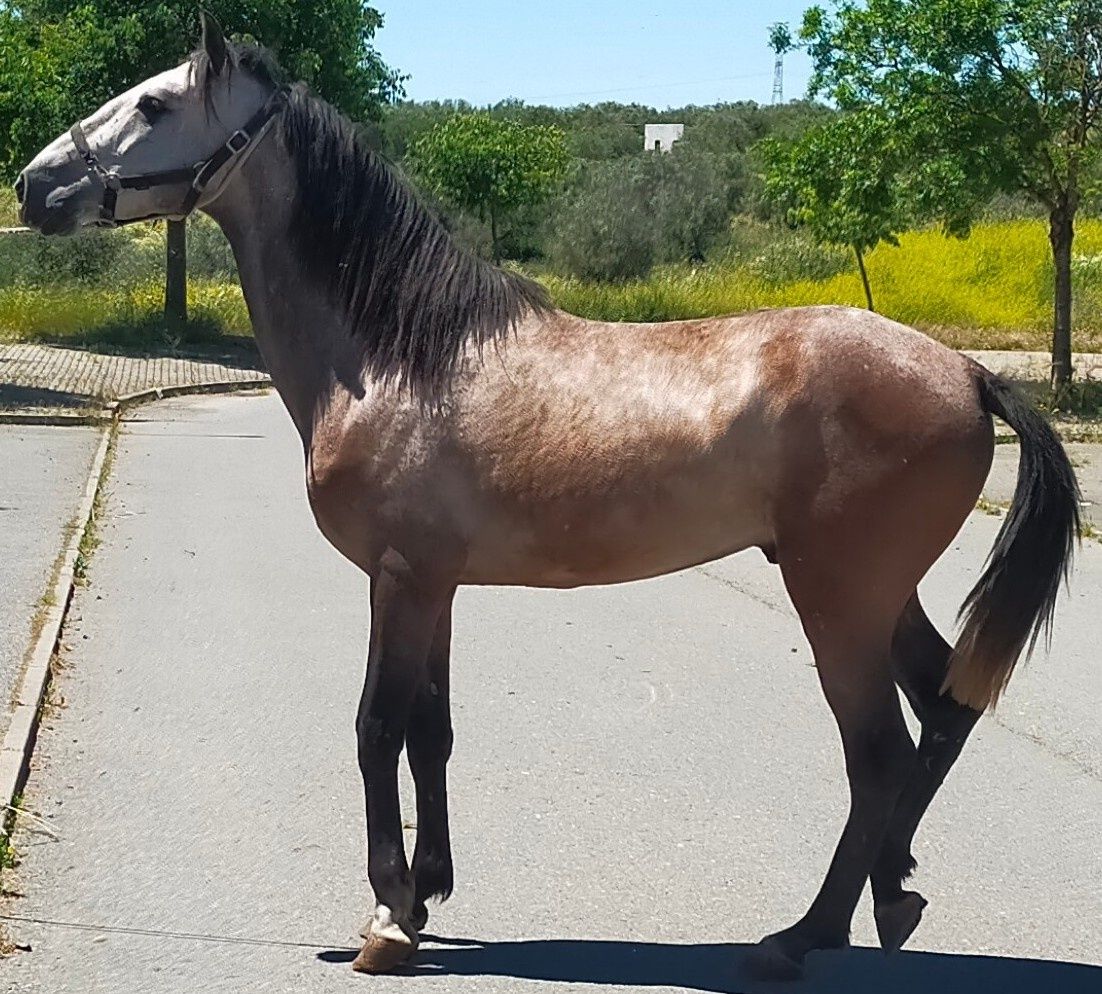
(231, 153)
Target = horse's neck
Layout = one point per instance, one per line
(296, 328)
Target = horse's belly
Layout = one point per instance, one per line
(629, 539)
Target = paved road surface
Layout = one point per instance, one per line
(645, 777)
(43, 472)
(1087, 459)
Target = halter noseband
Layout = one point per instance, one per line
(198, 177)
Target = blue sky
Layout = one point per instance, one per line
(568, 52)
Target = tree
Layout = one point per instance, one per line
(780, 38)
(490, 166)
(844, 182)
(60, 59)
(1005, 93)
(623, 216)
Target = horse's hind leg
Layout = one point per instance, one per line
(849, 619)
(920, 659)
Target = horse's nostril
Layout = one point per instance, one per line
(21, 188)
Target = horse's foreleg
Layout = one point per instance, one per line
(429, 746)
(404, 615)
(920, 658)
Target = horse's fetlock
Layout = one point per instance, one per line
(434, 876)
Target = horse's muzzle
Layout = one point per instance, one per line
(39, 206)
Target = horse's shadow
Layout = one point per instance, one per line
(719, 968)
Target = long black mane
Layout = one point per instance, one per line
(414, 297)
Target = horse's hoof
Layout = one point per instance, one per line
(896, 921)
(768, 960)
(381, 955)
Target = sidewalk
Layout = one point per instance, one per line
(47, 377)
(44, 474)
(1035, 366)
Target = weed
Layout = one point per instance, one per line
(90, 537)
(990, 291)
(9, 855)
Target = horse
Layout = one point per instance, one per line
(457, 429)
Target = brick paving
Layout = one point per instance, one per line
(47, 376)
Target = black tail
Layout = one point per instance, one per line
(1014, 601)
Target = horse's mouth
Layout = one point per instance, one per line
(55, 223)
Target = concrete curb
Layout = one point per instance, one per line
(130, 400)
(19, 740)
(111, 410)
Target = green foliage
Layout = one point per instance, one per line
(780, 38)
(490, 166)
(603, 133)
(992, 290)
(842, 181)
(989, 95)
(624, 216)
(60, 59)
(1011, 85)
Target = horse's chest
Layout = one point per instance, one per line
(365, 481)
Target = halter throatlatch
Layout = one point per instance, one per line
(198, 177)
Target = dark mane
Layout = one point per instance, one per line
(414, 297)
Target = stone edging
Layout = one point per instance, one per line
(110, 411)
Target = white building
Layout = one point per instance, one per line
(661, 137)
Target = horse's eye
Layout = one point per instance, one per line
(151, 106)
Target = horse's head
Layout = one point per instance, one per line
(159, 150)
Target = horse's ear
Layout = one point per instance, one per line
(214, 41)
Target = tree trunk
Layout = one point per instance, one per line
(1062, 235)
(864, 276)
(493, 234)
(176, 274)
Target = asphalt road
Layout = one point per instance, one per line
(43, 472)
(645, 779)
(1085, 457)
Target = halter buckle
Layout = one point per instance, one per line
(238, 141)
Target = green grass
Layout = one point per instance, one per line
(90, 537)
(123, 317)
(990, 291)
(9, 207)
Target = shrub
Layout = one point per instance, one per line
(209, 255)
(790, 258)
(624, 216)
(775, 255)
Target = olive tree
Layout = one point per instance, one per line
(490, 166)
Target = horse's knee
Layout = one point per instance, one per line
(378, 740)
(429, 737)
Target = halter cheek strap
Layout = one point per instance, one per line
(230, 156)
